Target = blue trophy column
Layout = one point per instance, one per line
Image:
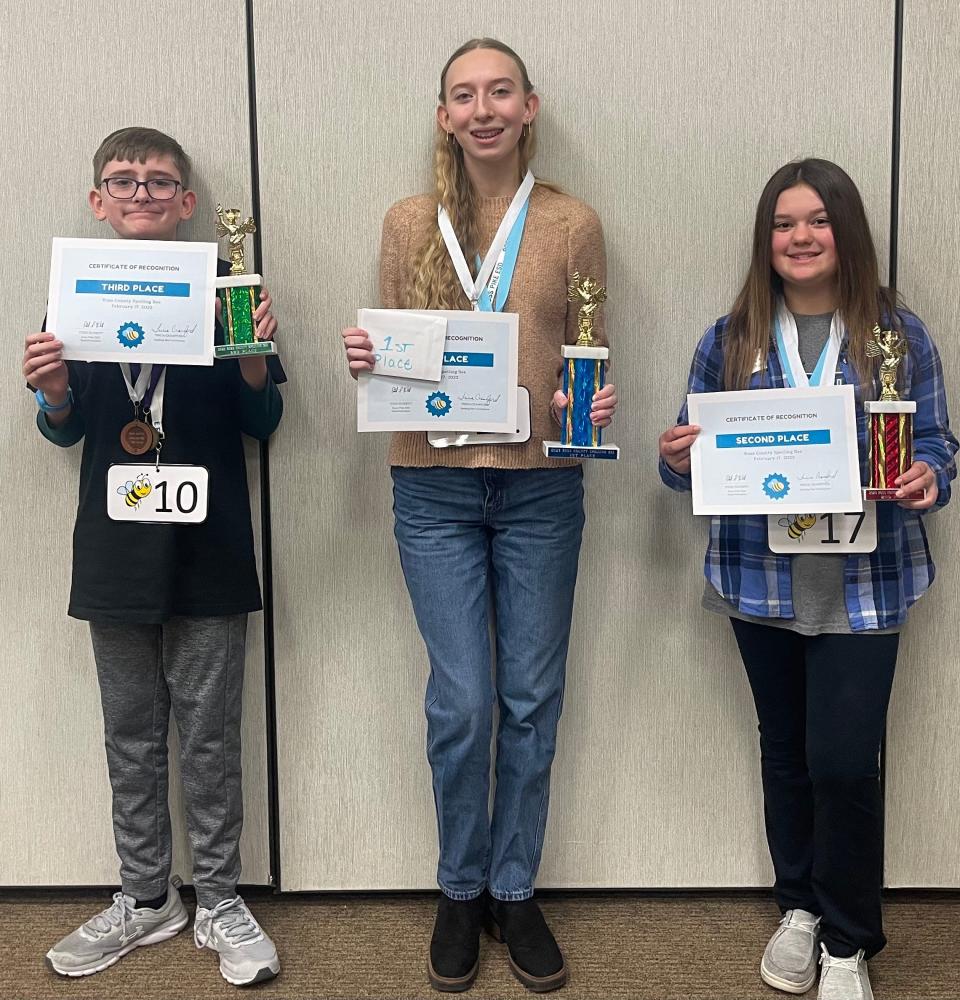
(583, 375)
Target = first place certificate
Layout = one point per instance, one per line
(477, 389)
(147, 301)
(765, 451)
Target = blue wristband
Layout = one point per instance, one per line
(47, 407)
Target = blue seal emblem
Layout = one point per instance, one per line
(438, 404)
(131, 335)
(776, 486)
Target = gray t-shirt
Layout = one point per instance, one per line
(819, 604)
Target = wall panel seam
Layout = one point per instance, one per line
(266, 536)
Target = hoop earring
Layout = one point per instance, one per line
(529, 128)
(450, 139)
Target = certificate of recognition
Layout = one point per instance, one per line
(148, 301)
(765, 451)
(477, 388)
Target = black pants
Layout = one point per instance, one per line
(822, 706)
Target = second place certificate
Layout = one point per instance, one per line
(477, 389)
(762, 451)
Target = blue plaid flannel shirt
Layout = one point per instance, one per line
(879, 586)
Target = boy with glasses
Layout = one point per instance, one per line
(167, 604)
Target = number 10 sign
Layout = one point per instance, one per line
(168, 494)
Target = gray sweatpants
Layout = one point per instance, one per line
(194, 665)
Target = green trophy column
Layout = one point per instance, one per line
(239, 296)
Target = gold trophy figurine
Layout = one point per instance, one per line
(227, 226)
(888, 345)
(238, 293)
(592, 295)
(584, 373)
(890, 433)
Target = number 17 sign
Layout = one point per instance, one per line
(827, 534)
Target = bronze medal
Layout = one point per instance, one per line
(137, 438)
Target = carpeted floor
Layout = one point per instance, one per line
(618, 946)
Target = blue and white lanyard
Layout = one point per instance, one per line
(788, 347)
(489, 291)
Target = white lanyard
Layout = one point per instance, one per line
(492, 266)
(136, 392)
(788, 347)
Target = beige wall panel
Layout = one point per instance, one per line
(72, 72)
(667, 117)
(923, 754)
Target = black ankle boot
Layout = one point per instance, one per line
(535, 958)
(455, 945)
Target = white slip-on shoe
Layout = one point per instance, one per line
(116, 931)
(844, 978)
(247, 955)
(789, 961)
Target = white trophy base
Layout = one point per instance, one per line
(890, 406)
(596, 353)
(239, 281)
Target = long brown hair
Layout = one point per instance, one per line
(863, 300)
(435, 284)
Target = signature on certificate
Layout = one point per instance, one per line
(479, 397)
(183, 331)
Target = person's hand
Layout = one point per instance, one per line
(44, 367)
(602, 407)
(918, 477)
(359, 348)
(264, 322)
(675, 446)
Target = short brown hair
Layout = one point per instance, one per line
(135, 144)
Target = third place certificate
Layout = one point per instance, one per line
(133, 300)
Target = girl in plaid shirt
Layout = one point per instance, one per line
(819, 634)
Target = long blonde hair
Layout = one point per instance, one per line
(435, 284)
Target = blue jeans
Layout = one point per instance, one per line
(472, 540)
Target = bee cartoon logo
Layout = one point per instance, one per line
(797, 525)
(134, 491)
(131, 335)
(776, 486)
(438, 404)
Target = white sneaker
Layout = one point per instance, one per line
(844, 978)
(789, 961)
(116, 931)
(247, 955)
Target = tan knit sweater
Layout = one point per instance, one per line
(561, 235)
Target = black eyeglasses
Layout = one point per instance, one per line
(126, 188)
